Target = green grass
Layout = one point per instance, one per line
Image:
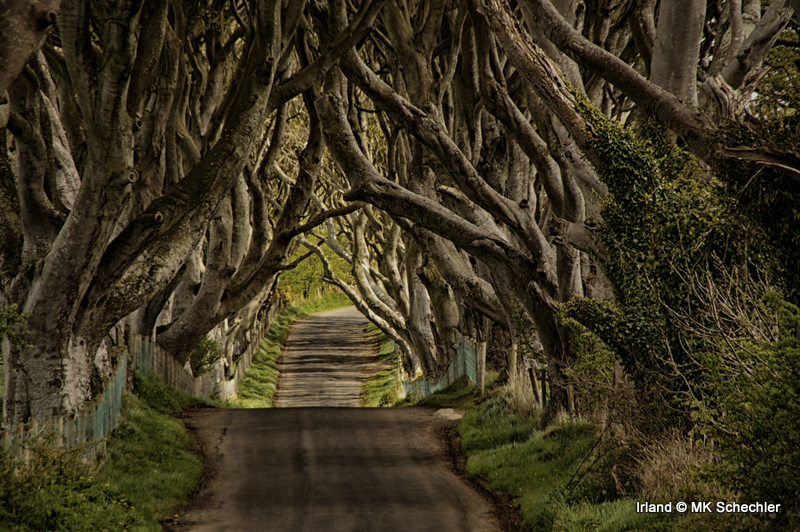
(152, 392)
(257, 387)
(494, 424)
(150, 460)
(380, 389)
(462, 395)
(57, 491)
(534, 467)
(148, 471)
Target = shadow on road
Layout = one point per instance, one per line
(324, 360)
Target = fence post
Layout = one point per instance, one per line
(544, 388)
(535, 384)
(511, 353)
(481, 367)
(571, 399)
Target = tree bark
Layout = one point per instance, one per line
(24, 25)
(677, 48)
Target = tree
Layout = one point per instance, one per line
(126, 142)
(493, 216)
(472, 166)
(480, 103)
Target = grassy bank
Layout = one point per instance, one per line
(462, 395)
(542, 470)
(381, 388)
(149, 470)
(257, 387)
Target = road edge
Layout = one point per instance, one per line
(503, 508)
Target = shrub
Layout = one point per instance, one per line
(204, 356)
(752, 414)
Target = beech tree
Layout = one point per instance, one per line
(144, 179)
(126, 143)
(459, 177)
(488, 149)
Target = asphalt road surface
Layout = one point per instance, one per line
(328, 468)
(324, 360)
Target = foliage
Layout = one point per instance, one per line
(591, 370)
(768, 198)
(752, 411)
(204, 356)
(777, 95)
(258, 385)
(535, 467)
(56, 490)
(11, 323)
(304, 281)
(695, 256)
(149, 470)
(675, 240)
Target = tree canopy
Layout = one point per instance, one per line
(627, 168)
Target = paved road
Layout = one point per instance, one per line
(323, 360)
(329, 468)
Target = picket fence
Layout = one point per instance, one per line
(90, 426)
(465, 364)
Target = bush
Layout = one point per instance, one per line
(204, 356)
(55, 490)
(753, 416)
(148, 471)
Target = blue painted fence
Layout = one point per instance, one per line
(464, 364)
(92, 424)
(88, 427)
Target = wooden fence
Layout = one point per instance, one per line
(88, 427)
(92, 424)
(464, 364)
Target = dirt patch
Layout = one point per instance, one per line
(503, 507)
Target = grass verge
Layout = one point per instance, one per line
(149, 470)
(381, 388)
(257, 387)
(462, 395)
(541, 469)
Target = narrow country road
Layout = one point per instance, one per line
(324, 360)
(326, 466)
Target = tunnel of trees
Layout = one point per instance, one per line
(557, 173)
